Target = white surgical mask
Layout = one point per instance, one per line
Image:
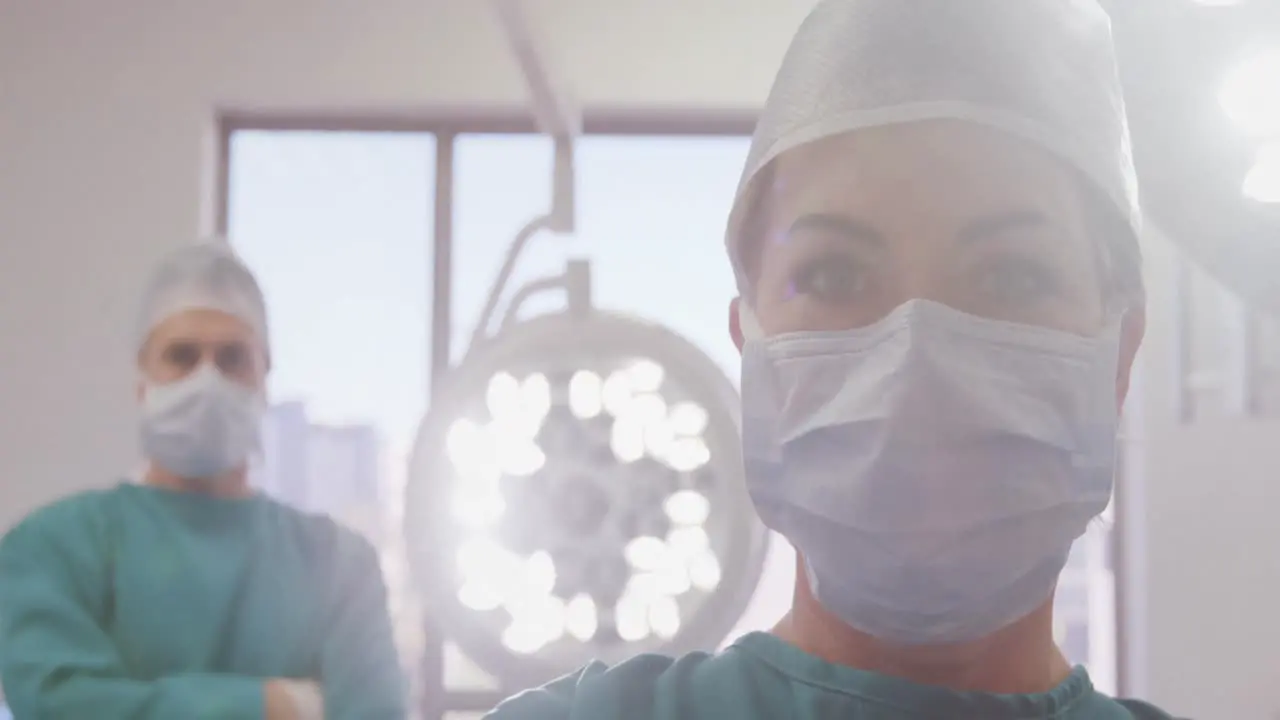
(933, 468)
(202, 425)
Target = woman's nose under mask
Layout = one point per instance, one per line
(932, 468)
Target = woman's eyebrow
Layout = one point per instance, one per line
(994, 225)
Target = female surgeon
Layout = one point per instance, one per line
(936, 247)
(188, 596)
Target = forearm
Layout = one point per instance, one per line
(59, 696)
(360, 668)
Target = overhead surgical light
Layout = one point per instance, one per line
(1251, 94)
(576, 489)
(576, 494)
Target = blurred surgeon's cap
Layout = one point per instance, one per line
(1043, 70)
(205, 276)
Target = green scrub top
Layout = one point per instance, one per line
(141, 603)
(761, 677)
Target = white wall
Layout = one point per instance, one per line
(1205, 616)
(106, 162)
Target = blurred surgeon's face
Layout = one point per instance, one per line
(191, 338)
(851, 227)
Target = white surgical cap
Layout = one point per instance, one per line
(207, 276)
(1043, 70)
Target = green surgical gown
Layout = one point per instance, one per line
(762, 678)
(146, 604)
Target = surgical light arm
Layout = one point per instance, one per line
(559, 119)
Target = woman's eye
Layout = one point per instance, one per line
(1015, 281)
(832, 279)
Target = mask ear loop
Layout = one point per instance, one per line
(748, 323)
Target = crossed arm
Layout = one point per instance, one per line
(56, 661)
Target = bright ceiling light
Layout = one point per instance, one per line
(1251, 94)
(1262, 184)
(581, 620)
(688, 507)
(644, 426)
(576, 494)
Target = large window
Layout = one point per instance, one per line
(339, 227)
(336, 226)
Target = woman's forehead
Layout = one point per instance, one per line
(960, 162)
